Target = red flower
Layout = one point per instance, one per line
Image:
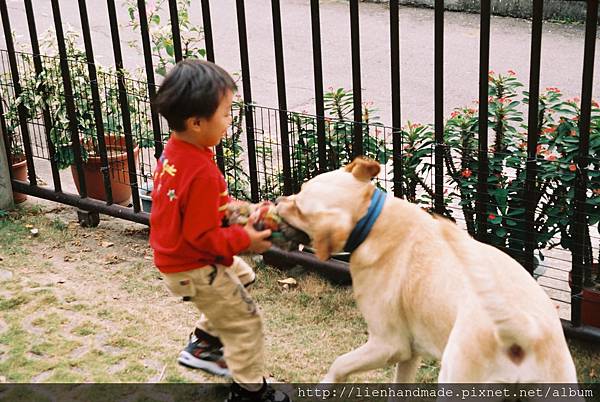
(572, 167)
(466, 173)
(573, 133)
(491, 217)
(596, 191)
(511, 72)
(454, 114)
(553, 89)
(539, 149)
(595, 104)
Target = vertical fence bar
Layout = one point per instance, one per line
(282, 99)
(37, 62)
(174, 14)
(210, 56)
(580, 215)
(481, 199)
(357, 147)
(69, 100)
(439, 105)
(158, 145)
(208, 34)
(14, 70)
(533, 134)
(116, 42)
(89, 53)
(396, 115)
(249, 116)
(318, 77)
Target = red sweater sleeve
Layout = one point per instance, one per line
(202, 222)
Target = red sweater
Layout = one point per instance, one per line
(188, 205)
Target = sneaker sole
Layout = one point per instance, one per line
(186, 359)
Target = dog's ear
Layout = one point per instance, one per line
(329, 237)
(363, 168)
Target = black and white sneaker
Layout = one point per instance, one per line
(204, 355)
(265, 394)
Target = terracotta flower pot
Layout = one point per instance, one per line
(590, 307)
(19, 171)
(590, 302)
(119, 177)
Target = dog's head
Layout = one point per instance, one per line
(328, 206)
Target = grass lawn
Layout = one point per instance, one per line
(87, 305)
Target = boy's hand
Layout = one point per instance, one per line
(258, 240)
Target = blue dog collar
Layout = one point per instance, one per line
(365, 224)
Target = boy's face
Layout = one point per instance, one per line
(209, 130)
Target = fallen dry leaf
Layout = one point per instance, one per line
(86, 250)
(76, 243)
(28, 226)
(34, 232)
(291, 282)
(68, 258)
(593, 373)
(112, 259)
(107, 244)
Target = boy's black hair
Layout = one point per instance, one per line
(193, 88)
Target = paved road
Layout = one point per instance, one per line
(562, 52)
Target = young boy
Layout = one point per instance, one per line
(195, 254)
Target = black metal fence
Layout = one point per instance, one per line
(534, 191)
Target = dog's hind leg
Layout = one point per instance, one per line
(406, 370)
(372, 355)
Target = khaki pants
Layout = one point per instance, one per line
(228, 312)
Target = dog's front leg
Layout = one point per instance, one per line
(372, 355)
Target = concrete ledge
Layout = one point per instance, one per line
(561, 10)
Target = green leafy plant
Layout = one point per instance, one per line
(28, 98)
(558, 152)
(233, 154)
(161, 36)
(554, 188)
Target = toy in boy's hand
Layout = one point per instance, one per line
(283, 235)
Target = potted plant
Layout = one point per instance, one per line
(561, 142)
(16, 156)
(51, 84)
(28, 98)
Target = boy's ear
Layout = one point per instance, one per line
(194, 123)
